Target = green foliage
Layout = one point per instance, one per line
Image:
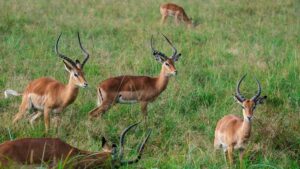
(231, 38)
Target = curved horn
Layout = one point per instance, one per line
(122, 138)
(140, 150)
(86, 54)
(151, 44)
(156, 53)
(173, 47)
(254, 98)
(238, 93)
(62, 55)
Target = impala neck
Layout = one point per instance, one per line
(162, 80)
(246, 127)
(70, 91)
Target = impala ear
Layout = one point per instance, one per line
(159, 58)
(68, 66)
(103, 141)
(261, 100)
(175, 59)
(78, 64)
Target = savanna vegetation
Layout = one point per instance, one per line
(231, 38)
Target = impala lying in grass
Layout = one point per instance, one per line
(233, 132)
(36, 151)
(49, 95)
(133, 89)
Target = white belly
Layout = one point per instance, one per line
(124, 101)
(128, 97)
(37, 101)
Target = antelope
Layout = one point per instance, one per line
(136, 89)
(233, 132)
(170, 9)
(49, 95)
(34, 151)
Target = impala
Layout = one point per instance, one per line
(33, 151)
(49, 95)
(233, 132)
(170, 9)
(133, 89)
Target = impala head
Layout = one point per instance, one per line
(117, 155)
(168, 63)
(249, 105)
(190, 23)
(74, 68)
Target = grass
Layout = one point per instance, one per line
(260, 38)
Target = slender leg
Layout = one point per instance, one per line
(144, 111)
(22, 110)
(163, 19)
(177, 18)
(47, 119)
(101, 109)
(56, 122)
(225, 156)
(34, 117)
(230, 151)
(241, 157)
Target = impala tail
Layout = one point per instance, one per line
(11, 92)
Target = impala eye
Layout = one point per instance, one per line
(76, 74)
(167, 64)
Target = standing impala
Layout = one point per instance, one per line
(33, 151)
(132, 89)
(233, 132)
(47, 94)
(170, 9)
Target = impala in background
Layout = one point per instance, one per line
(233, 132)
(170, 9)
(49, 95)
(33, 151)
(133, 89)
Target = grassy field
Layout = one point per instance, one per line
(260, 38)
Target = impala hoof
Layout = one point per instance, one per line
(92, 115)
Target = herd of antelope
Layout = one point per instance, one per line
(44, 96)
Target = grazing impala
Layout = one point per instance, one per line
(170, 9)
(47, 94)
(233, 132)
(33, 151)
(132, 89)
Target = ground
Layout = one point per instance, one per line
(231, 38)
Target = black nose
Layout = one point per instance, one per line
(85, 84)
(175, 72)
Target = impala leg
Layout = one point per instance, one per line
(144, 110)
(47, 119)
(56, 122)
(99, 111)
(22, 110)
(230, 155)
(176, 19)
(241, 157)
(225, 156)
(163, 19)
(34, 117)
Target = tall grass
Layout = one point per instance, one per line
(260, 38)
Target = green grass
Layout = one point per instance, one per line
(260, 38)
